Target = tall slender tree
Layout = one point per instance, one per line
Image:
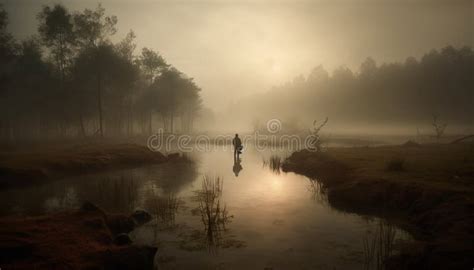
(93, 30)
(57, 33)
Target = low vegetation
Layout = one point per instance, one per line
(164, 209)
(273, 163)
(24, 167)
(214, 214)
(429, 193)
(378, 246)
(88, 240)
(395, 164)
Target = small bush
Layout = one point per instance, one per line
(396, 164)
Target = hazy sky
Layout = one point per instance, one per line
(236, 48)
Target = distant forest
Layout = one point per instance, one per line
(71, 80)
(441, 83)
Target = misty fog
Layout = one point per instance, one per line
(236, 134)
(370, 67)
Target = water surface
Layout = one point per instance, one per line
(266, 220)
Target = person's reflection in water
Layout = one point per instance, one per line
(237, 166)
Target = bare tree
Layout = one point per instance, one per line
(439, 128)
(315, 142)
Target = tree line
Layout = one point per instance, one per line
(71, 80)
(440, 84)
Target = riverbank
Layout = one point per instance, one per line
(428, 189)
(20, 167)
(87, 238)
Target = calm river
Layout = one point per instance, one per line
(255, 217)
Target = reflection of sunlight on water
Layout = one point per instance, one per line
(277, 185)
(267, 188)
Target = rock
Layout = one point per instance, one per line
(141, 216)
(119, 223)
(122, 239)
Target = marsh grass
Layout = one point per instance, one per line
(395, 164)
(378, 246)
(274, 163)
(119, 195)
(318, 192)
(164, 209)
(429, 196)
(214, 214)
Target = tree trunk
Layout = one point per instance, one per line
(150, 130)
(172, 123)
(130, 120)
(83, 130)
(99, 103)
(190, 122)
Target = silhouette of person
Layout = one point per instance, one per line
(237, 146)
(237, 166)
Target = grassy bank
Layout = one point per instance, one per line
(20, 167)
(428, 189)
(84, 239)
